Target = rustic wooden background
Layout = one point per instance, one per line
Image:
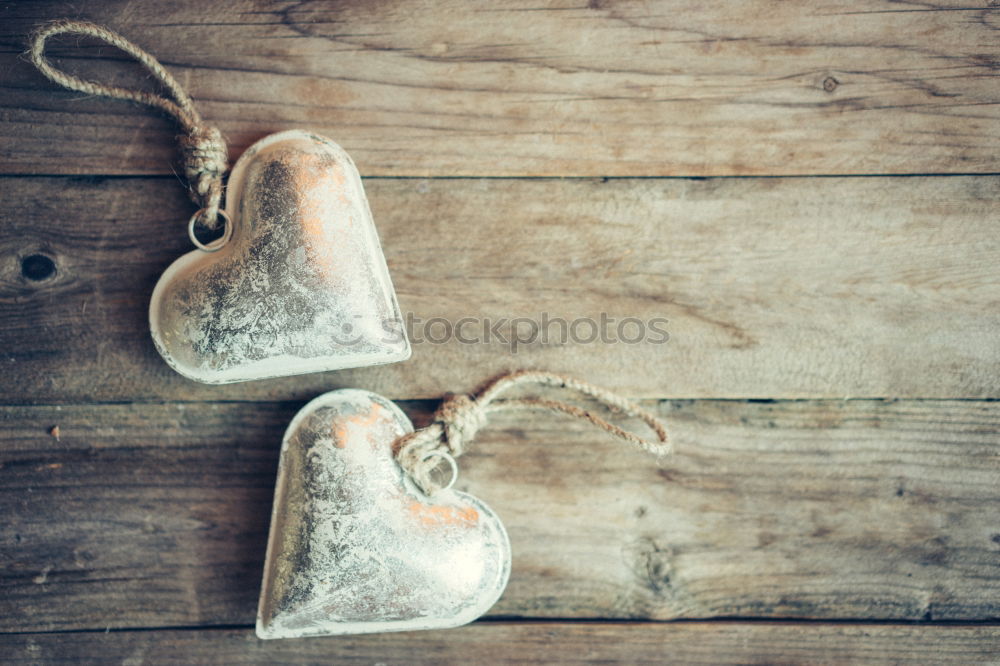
(808, 192)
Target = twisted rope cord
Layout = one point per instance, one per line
(203, 149)
(459, 418)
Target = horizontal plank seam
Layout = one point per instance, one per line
(163, 176)
(526, 620)
(417, 401)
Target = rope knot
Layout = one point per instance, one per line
(205, 162)
(461, 417)
(456, 423)
(204, 152)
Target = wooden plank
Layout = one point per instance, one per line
(532, 643)
(607, 88)
(156, 515)
(874, 287)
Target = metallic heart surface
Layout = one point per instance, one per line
(301, 286)
(355, 547)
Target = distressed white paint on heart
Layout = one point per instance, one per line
(355, 547)
(301, 286)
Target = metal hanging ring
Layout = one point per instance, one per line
(450, 460)
(218, 243)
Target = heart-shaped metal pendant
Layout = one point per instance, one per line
(297, 284)
(355, 547)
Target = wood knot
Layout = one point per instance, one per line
(37, 267)
(830, 84)
(652, 564)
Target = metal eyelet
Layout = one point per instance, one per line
(450, 460)
(218, 243)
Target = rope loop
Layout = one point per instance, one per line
(203, 150)
(460, 417)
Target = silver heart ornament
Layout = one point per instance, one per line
(355, 547)
(297, 284)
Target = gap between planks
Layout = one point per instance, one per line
(535, 643)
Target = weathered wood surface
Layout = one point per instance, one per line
(798, 287)
(713, 643)
(151, 510)
(607, 87)
(156, 515)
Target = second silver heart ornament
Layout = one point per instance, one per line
(297, 284)
(355, 547)
(364, 537)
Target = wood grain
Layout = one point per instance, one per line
(798, 287)
(715, 643)
(147, 516)
(606, 88)
(156, 515)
